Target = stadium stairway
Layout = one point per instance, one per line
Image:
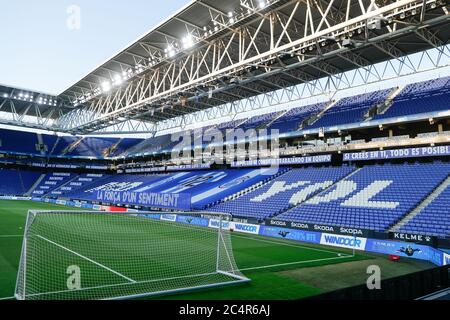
(21, 180)
(281, 114)
(409, 185)
(238, 123)
(382, 106)
(53, 148)
(57, 192)
(317, 117)
(153, 144)
(35, 185)
(434, 195)
(389, 101)
(109, 151)
(256, 186)
(270, 199)
(18, 181)
(80, 182)
(321, 193)
(51, 182)
(72, 146)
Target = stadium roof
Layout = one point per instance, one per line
(196, 14)
(21, 103)
(213, 52)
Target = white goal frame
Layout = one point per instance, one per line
(223, 241)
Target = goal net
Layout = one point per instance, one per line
(79, 255)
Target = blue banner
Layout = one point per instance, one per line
(290, 234)
(154, 216)
(341, 241)
(405, 249)
(282, 161)
(146, 199)
(195, 221)
(189, 167)
(399, 153)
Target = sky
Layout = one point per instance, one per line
(48, 45)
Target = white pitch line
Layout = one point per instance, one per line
(86, 258)
(8, 298)
(291, 263)
(282, 242)
(436, 295)
(121, 284)
(288, 244)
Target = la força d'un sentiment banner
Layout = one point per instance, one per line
(180, 201)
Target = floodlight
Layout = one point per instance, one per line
(188, 42)
(118, 79)
(171, 51)
(106, 86)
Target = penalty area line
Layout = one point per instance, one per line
(292, 263)
(88, 259)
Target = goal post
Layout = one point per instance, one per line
(85, 255)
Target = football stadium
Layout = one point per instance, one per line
(239, 150)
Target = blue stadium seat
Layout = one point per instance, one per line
(433, 220)
(417, 98)
(51, 182)
(291, 120)
(18, 183)
(204, 187)
(350, 110)
(376, 197)
(277, 195)
(18, 141)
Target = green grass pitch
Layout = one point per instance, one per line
(261, 259)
